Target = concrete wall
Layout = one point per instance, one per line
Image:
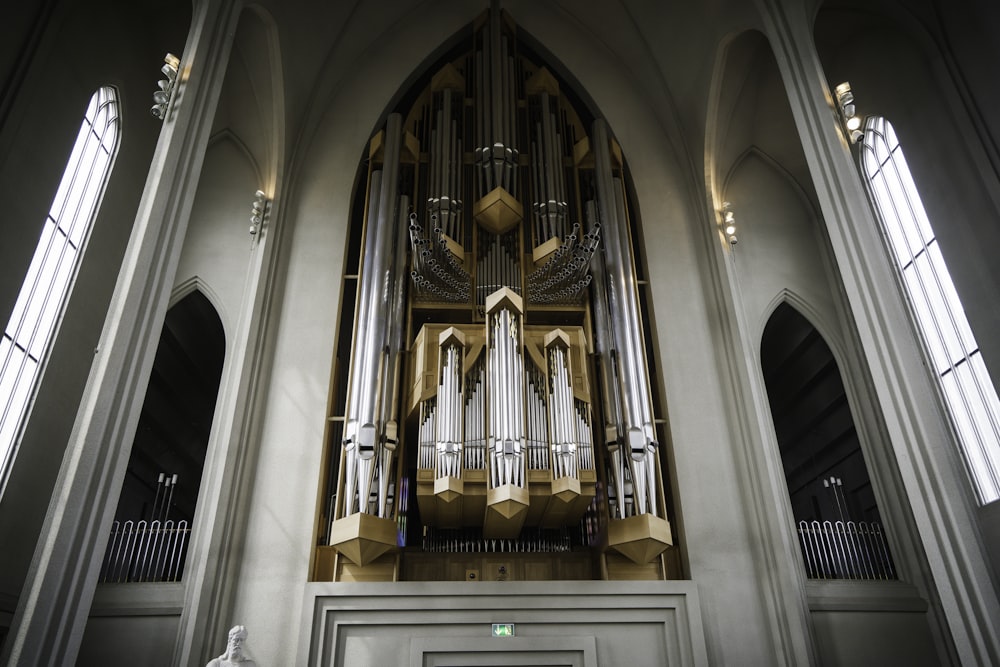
(285, 482)
(132, 623)
(753, 604)
(35, 140)
(579, 623)
(217, 246)
(897, 72)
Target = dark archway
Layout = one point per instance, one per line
(168, 454)
(829, 488)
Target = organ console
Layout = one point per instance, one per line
(498, 373)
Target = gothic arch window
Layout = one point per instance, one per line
(950, 345)
(149, 536)
(831, 494)
(35, 319)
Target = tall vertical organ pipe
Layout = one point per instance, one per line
(365, 454)
(636, 431)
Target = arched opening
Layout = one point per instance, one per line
(829, 488)
(157, 504)
(491, 251)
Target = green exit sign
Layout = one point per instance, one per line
(503, 629)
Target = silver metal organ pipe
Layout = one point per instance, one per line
(493, 416)
(444, 184)
(481, 85)
(397, 311)
(639, 379)
(507, 400)
(362, 441)
(561, 205)
(450, 400)
(394, 348)
(626, 329)
(357, 381)
(604, 349)
(548, 150)
(563, 423)
(495, 76)
(586, 439)
(505, 112)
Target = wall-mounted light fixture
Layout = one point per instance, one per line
(257, 212)
(848, 112)
(161, 97)
(729, 222)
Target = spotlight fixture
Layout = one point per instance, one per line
(257, 212)
(729, 222)
(848, 112)
(161, 97)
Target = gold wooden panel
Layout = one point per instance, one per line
(554, 566)
(363, 537)
(540, 82)
(506, 510)
(498, 211)
(383, 568)
(540, 254)
(640, 538)
(323, 565)
(448, 78)
(620, 568)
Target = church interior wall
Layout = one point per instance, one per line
(901, 73)
(317, 226)
(218, 245)
(904, 77)
(873, 637)
(782, 253)
(44, 114)
(757, 162)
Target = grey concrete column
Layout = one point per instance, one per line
(54, 604)
(212, 570)
(924, 449)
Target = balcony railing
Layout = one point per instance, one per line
(146, 551)
(845, 550)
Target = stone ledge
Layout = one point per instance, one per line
(850, 595)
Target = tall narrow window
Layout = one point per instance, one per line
(40, 303)
(954, 354)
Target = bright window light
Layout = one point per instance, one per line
(40, 303)
(953, 352)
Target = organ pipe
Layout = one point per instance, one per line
(635, 431)
(563, 411)
(366, 454)
(505, 373)
(505, 303)
(450, 400)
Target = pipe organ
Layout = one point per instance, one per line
(498, 370)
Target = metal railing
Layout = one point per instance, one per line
(145, 551)
(845, 550)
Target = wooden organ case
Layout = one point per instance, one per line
(497, 421)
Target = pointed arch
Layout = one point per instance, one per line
(830, 491)
(161, 486)
(755, 152)
(193, 284)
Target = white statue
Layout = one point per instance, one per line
(234, 651)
